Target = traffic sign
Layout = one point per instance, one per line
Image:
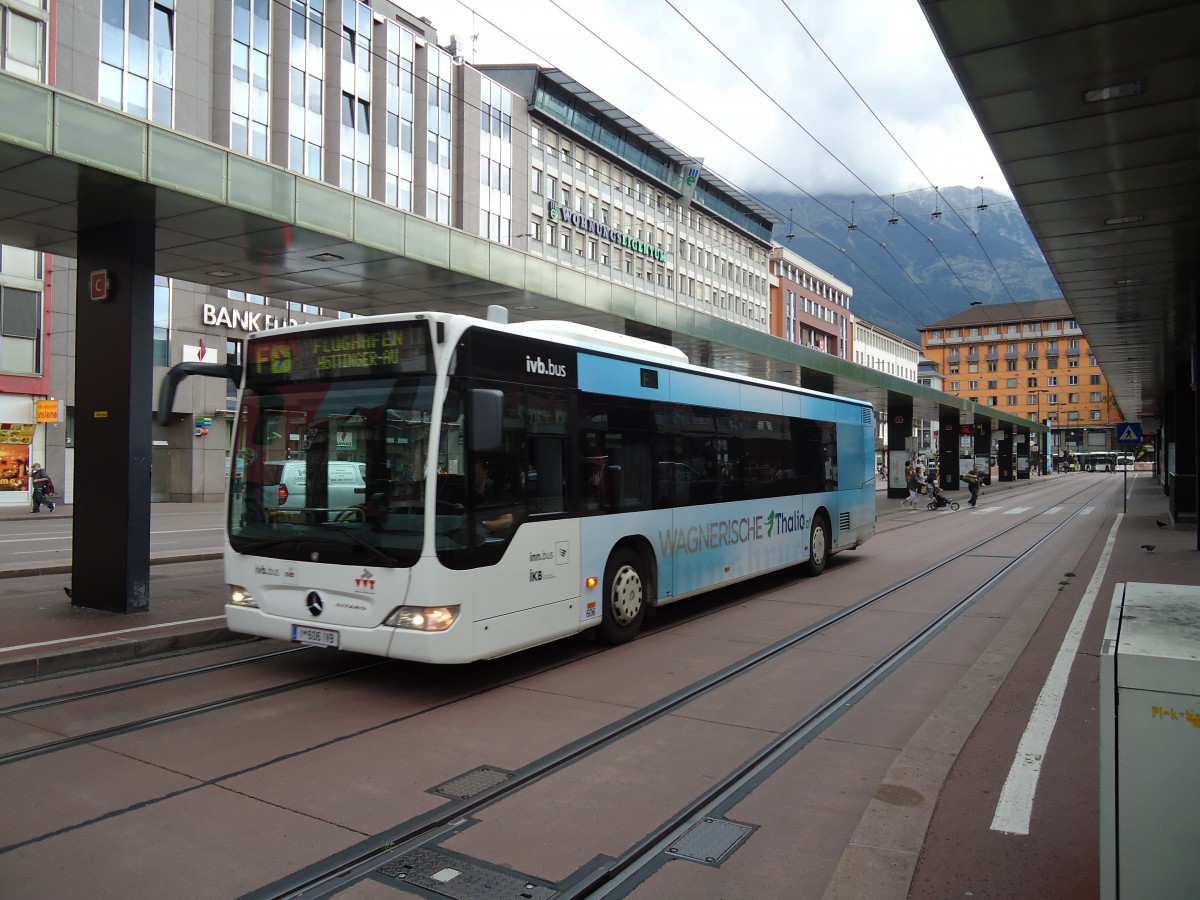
(1129, 433)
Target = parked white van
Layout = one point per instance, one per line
(285, 484)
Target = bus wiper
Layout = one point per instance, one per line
(386, 558)
(252, 546)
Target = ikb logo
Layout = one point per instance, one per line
(541, 366)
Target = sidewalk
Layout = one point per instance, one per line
(45, 634)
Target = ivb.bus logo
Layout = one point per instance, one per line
(539, 366)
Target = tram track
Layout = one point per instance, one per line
(174, 716)
(92, 693)
(392, 847)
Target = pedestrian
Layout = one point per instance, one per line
(914, 488)
(43, 488)
(972, 480)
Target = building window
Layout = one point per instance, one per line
(137, 58)
(22, 42)
(306, 120)
(438, 185)
(398, 155)
(355, 143)
(20, 329)
(249, 100)
(495, 149)
(162, 321)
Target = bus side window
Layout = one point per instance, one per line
(545, 474)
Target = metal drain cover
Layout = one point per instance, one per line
(471, 783)
(710, 841)
(453, 876)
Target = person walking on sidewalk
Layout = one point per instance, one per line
(43, 488)
(972, 480)
(914, 488)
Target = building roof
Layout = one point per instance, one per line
(997, 313)
(518, 77)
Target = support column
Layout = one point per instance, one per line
(1005, 454)
(1022, 448)
(113, 396)
(899, 430)
(983, 448)
(949, 434)
(1183, 477)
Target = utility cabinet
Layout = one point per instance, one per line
(1150, 744)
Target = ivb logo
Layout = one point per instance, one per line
(539, 366)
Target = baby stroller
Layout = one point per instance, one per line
(938, 500)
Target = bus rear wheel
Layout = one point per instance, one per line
(818, 547)
(624, 597)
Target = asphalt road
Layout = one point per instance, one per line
(45, 539)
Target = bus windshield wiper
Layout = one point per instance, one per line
(386, 558)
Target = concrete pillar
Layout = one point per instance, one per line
(899, 430)
(948, 437)
(1182, 492)
(1022, 440)
(113, 395)
(1006, 456)
(983, 448)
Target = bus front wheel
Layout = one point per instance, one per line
(818, 545)
(624, 597)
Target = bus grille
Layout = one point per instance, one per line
(868, 416)
(844, 524)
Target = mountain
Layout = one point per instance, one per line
(928, 264)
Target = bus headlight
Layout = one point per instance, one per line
(423, 618)
(239, 596)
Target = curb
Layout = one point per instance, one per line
(65, 567)
(139, 649)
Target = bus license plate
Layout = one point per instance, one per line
(317, 637)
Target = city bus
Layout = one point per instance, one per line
(519, 483)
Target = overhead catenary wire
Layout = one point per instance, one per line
(883, 245)
(812, 137)
(896, 141)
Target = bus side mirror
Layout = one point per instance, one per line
(485, 407)
(180, 371)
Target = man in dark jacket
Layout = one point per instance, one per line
(972, 480)
(42, 484)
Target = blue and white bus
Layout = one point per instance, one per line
(519, 483)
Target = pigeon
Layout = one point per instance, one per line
(1160, 524)
(67, 591)
(1149, 548)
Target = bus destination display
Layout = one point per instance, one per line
(340, 353)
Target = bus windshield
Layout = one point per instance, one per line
(332, 471)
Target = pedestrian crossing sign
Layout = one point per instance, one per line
(1129, 433)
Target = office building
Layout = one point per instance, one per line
(360, 96)
(1031, 360)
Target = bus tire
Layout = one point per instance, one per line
(818, 547)
(624, 597)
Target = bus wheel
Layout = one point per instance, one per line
(818, 543)
(624, 597)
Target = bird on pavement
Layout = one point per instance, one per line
(67, 591)
(1160, 524)
(1149, 548)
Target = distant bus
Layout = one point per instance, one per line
(1104, 461)
(520, 483)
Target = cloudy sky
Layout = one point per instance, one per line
(788, 120)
